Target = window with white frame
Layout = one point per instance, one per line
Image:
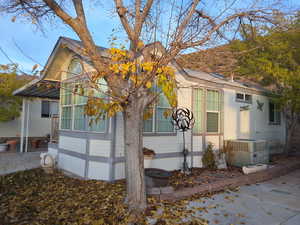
(242, 97)
(48, 108)
(74, 68)
(158, 123)
(274, 113)
(212, 111)
(80, 119)
(73, 104)
(66, 106)
(198, 110)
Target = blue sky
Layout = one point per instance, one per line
(39, 46)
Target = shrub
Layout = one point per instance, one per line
(208, 158)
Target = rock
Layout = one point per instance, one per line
(254, 168)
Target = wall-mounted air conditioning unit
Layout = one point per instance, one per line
(245, 152)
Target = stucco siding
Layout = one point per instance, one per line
(53, 152)
(256, 121)
(98, 170)
(119, 151)
(119, 171)
(99, 148)
(73, 144)
(197, 143)
(215, 140)
(72, 164)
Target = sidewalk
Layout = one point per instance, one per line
(11, 162)
(274, 202)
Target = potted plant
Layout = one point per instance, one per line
(12, 143)
(3, 146)
(148, 156)
(35, 143)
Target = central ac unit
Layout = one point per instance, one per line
(245, 152)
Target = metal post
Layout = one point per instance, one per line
(192, 150)
(27, 127)
(22, 125)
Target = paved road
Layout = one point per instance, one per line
(13, 162)
(275, 202)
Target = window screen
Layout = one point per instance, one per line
(274, 113)
(212, 122)
(45, 109)
(212, 111)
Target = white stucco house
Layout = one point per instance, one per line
(223, 110)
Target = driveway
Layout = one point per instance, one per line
(13, 162)
(275, 202)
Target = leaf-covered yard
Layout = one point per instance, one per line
(34, 197)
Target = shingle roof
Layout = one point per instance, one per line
(220, 79)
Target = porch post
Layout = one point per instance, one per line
(27, 126)
(22, 125)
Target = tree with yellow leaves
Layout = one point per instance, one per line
(157, 32)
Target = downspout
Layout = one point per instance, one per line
(192, 147)
(22, 125)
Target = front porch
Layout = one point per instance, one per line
(32, 141)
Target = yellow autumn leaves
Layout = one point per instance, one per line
(144, 73)
(137, 73)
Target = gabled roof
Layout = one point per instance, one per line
(225, 81)
(31, 89)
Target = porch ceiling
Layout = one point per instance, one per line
(40, 89)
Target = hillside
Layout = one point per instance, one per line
(215, 60)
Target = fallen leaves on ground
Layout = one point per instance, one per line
(202, 176)
(34, 197)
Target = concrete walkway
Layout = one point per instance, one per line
(13, 162)
(275, 202)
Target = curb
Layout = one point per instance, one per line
(168, 193)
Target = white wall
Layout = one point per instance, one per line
(258, 120)
(73, 144)
(38, 126)
(72, 164)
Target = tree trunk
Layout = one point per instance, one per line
(134, 168)
(290, 133)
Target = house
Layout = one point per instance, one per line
(223, 110)
(35, 119)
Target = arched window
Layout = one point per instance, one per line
(75, 68)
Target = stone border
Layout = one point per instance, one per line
(168, 193)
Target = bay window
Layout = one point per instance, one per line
(158, 123)
(73, 104)
(66, 107)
